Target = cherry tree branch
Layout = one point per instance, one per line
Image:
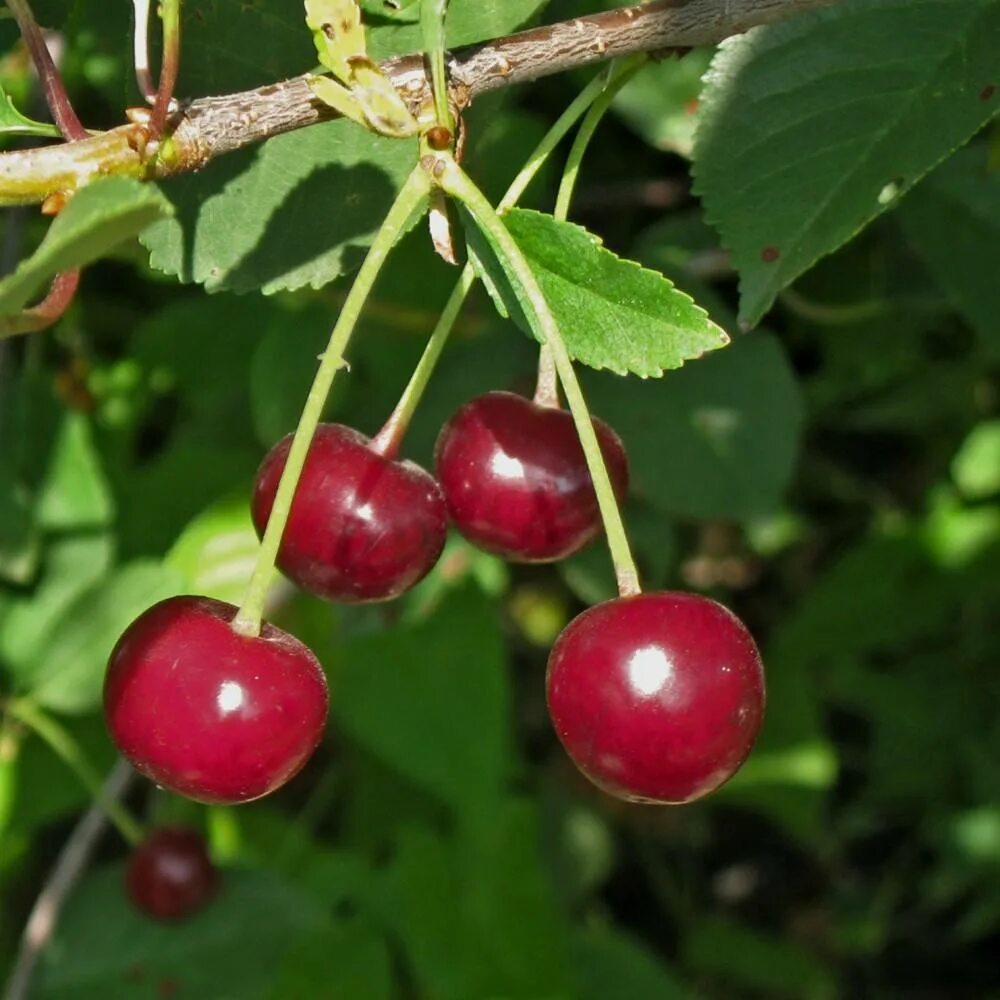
(211, 126)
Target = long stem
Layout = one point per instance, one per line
(170, 13)
(547, 391)
(617, 78)
(432, 17)
(388, 439)
(456, 182)
(408, 203)
(51, 79)
(70, 752)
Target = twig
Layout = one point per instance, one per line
(69, 866)
(48, 73)
(212, 126)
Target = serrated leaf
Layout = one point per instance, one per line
(811, 128)
(95, 221)
(12, 122)
(298, 211)
(384, 109)
(68, 673)
(613, 313)
(952, 220)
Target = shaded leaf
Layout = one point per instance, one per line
(812, 127)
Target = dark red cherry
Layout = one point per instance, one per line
(207, 712)
(170, 875)
(515, 478)
(656, 698)
(363, 527)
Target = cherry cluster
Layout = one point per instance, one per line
(656, 697)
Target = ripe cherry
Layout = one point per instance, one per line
(658, 697)
(170, 875)
(363, 527)
(516, 480)
(210, 713)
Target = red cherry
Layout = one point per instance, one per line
(516, 480)
(363, 527)
(207, 712)
(656, 698)
(170, 875)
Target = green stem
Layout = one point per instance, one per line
(456, 182)
(432, 18)
(617, 77)
(387, 441)
(408, 202)
(69, 751)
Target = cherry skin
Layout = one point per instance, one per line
(170, 875)
(656, 698)
(209, 713)
(363, 527)
(516, 480)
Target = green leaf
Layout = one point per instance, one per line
(610, 965)
(104, 948)
(976, 467)
(299, 211)
(95, 221)
(217, 551)
(431, 700)
(612, 313)
(749, 961)
(469, 21)
(69, 671)
(71, 565)
(476, 916)
(661, 102)
(351, 962)
(716, 439)
(74, 493)
(811, 128)
(952, 220)
(12, 122)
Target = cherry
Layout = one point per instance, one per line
(170, 875)
(658, 697)
(363, 527)
(516, 480)
(210, 713)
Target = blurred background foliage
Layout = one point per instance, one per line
(834, 478)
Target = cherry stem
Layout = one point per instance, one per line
(41, 316)
(432, 18)
(457, 183)
(617, 76)
(48, 73)
(610, 82)
(388, 440)
(69, 751)
(170, 14)
(410, 202)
